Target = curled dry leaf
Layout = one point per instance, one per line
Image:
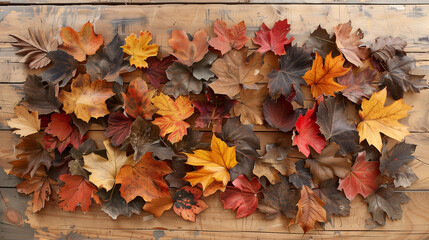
(188, 203)
(228, 38)
(236, 71)
(80, 44)
(104, 171)
(36, 47)
(26, 123)
(144, 179)
(86, 99)
(215, 164)
(139, 49)
(77, 191)
(274, 39)
(385, 48)
(188, 51)
(243, 197)
(377, 119)
(137, 101)
(348, 44)
(173, 113)
(321, 76)
(38, 97)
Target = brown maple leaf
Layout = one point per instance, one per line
(349, 44)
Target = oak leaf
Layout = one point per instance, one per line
(399, 79)
(155, 71)
(215, 164)
(31, 157)
(321, 76)
(348, 44)
(77, 191)
(273, 39)
(242, 197)
(249, 105)
(181, 81)
(228, 38)
(308, 133)
(40, 98)
(137, 101)
(289, 77)
(40, 186)
(173, 113)
(36, 47)
(376, 119)
(361, 178)
(26, 123)
(188, 51)
(63, 70)
(109, 63)
(119, 128)
(104, 171)
(331, 118)
(335, 201)
(386, 201)
(358, 85)
(236, 71)
(144, 179)
(279, 199)
(310, 210)
(139, 49)
(188, 203)
(86, 99)
(114, 205)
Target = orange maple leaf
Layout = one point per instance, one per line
(321, 77)
(76, 191)
(173, 113)
(145, 179)
(188, 52)
(87, 99)
(80, 44)
(215, 164)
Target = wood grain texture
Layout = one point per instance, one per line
(407, 21)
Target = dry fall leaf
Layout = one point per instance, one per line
(173, 113)
(189, 52)
(114, 205)
(139, 49)
(181, 81)
(228, 38)
(322, 42)
(86, 99)
(144, 179)
(280, 114)
(348, 44)
(385, 48)
(310, 210)
(215, 164)
(274, 39)
(335, 201)
(321, 76)
(104, 171)
(119, 128)
(38, 97)
(358, 85)
(377, 119)
(26, 123)
(158, 205)
(249, 105)
(64, 68)
(188, 203)
(60, 126)
(76, 191)
(361, 178)
(137, 101)
(236, 71)
(155, 71)
(36, 47)
(40, 186)
(80, 44)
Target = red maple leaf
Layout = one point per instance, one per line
(76, 191)
(119, 128)
(274, 39)
(155, 71)
(228, 38)
(308, 133)
(59, 126)
(242, 197)
(361, 178)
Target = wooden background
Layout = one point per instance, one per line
(376, 17)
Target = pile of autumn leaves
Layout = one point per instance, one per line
(341, 146)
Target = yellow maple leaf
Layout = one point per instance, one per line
(321, 77)
(104, 171)
(26, 123)
(87, 99)
(215, 164)
(173, 113)
(376, 119)
(139, 50)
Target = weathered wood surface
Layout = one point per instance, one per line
(407, 21)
